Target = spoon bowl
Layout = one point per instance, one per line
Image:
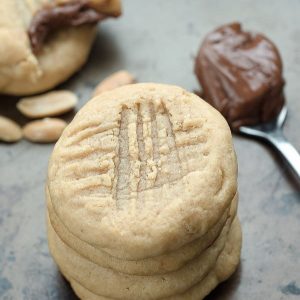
(271, 132)
(262, 130)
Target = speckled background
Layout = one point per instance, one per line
(157, 40)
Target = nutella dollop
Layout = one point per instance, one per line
(53, 17)
(241, 75)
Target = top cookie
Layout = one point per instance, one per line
(26, 24)
(143, 170)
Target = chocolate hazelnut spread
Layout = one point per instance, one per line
(53, 17)
(241, 75)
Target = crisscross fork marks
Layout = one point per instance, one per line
(148, 156)
(170, 168)
(122, 168)
(141, 150)
(154, 133)
(135, 154)
(84, 135)
(172, 140)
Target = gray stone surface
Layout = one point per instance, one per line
(157, 40)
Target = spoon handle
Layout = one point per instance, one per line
(286, 149)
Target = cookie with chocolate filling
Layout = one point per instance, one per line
(43, 42)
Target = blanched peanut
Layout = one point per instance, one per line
(44, 131)
(10, 131)
(113, 81)
(47, 105)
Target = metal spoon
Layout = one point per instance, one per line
(272, 133)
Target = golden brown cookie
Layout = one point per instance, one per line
(226, 264)
(151, 167)
(142, 196)
(60, 54)
(162, 264)
(103, 281)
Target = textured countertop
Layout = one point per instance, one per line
(157, 41)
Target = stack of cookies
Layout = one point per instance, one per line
(142, 196)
